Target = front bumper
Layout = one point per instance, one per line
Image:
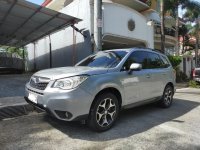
(68, 105)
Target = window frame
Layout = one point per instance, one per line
(164, 58)
(160, 58)
(132, 53)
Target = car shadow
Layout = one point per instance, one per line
(130, 122)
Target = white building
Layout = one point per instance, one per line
(123, 25)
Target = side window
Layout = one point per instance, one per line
(136, 57)
(166, 62)
(155, 61)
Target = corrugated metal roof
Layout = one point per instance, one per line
(22, 22)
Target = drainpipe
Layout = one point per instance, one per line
(92, 25)
(50, 53)
(98, 24)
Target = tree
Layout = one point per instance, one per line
(20, 52)
(183, 32)
(172, 7)
(192, 15)
(162, 26)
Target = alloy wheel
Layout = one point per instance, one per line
(168, 96)
(106, 112)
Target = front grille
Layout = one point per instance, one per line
(39, 83)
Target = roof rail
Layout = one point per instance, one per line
(157, 50)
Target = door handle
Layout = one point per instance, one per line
(148, 76)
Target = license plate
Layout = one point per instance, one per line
(32, 97)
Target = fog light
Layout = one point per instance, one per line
(63, 114)
(66, 114)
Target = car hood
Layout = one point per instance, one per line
(57, 73)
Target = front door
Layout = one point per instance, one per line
(137, 84)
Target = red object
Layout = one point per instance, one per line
(46, 2)
(193, 72)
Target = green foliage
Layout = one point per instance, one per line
(148, 2)
(17, 51)
(175, 61)
(194, 84)
(171, 6)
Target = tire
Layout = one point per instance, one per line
(167, 98)
(104, 112)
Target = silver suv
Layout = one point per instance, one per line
(101, 85)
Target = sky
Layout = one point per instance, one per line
(39, 2)
(181, 12)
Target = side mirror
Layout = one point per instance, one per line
(135, 67)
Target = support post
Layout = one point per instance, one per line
(98, 24)
(50, 52)
(23, 55)
(34, 65)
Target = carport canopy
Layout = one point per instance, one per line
(22, 22)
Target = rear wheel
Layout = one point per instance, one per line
(104, 112)
(167, 97)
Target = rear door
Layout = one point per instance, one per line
(159, 74)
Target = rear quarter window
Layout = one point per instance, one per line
(154, 61)
(165, 61)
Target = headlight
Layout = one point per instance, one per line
(69, 83)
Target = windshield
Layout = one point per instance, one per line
(106, 59)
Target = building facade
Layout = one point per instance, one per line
(125, 24)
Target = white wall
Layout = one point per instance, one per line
(190, 64)
(63, 46)
(115, 22)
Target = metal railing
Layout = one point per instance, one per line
(10, 61)
(168, 31)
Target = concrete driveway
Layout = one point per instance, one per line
(146, 127)
(12, 88)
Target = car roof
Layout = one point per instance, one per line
(128, 50)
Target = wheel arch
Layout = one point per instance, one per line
(112, 90)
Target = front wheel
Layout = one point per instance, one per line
(104, 112)
(167, 98)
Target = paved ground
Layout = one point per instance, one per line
(12, 103)
(13, 85)
(12, 88)
(146, 127)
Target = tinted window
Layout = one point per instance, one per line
(107, 59)
(154, 61)
(136, 57)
